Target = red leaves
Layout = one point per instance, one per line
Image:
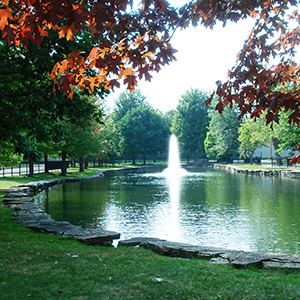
(131, 82)
(158, 4)
(253, 84)
(5, 14)
(296, 158)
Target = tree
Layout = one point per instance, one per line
(168, 117)
(287, 134)
(252, 135)
(7, 156)
(190, 123)
(222, 138)
(143, 132)
(136, 43)
(128, 101)
(28, 108)
(133, 44)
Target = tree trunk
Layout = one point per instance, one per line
(31, 168)
(86, 163)
(278, 157)
(81, 168)
(133, 160)
(64, 165)
(46, 163)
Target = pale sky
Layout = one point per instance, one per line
(204, 56)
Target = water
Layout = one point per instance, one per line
(211, 208)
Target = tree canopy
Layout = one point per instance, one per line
(134, 43)
(253, 135)
(190, 123)
(222, 138)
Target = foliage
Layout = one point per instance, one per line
(190, 123)
(222, 139)
(30, 112)
(168, 117)
(7, 156)
(130, 44)
(143, 132)
(128, 101)
(133, 43)
(287, 134)
(136, 129)
(252, 83)
(253, 134)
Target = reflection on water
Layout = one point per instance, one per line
(211, 208)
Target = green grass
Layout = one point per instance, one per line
(40, 266)
(7, 182)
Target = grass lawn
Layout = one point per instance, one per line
(40, 266)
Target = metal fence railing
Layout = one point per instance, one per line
(22, 169)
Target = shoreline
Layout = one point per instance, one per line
(21, 200)
(260, 172)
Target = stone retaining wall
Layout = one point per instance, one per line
(25, 211)
(236, 258)
(260, 172)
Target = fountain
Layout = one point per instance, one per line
(174, 166)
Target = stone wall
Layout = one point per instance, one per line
(25, 211)
(261, 172)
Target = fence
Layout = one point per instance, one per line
(22, 169)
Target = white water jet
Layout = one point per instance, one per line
(174, 166)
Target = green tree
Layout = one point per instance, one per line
(29, 110)
(222, 139)
(190, 123)
(128, 101)
(252, 135)
(124, 104)
(168, 117)
(287, 134)
(143, 132)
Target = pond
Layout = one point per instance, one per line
(204, 207)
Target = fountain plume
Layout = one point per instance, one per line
(174, 166)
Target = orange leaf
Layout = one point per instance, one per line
(93, 54)
(62, 67)
(66, 31)
(4, 16)
(75, 59)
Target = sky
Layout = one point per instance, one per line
(204, 56)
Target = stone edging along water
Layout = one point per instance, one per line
(261, 172)
(25, 211)
(21, 200)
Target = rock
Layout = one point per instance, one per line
(21, 200)
(243, 259)
(237, 259)
(280, 265)
(97, 236)
(219, 261)
(137, 241)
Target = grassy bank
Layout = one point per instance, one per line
(40, 266)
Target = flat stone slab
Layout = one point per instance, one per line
(17, 194)
(18, 200)
(97, 236)
(236, 258)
